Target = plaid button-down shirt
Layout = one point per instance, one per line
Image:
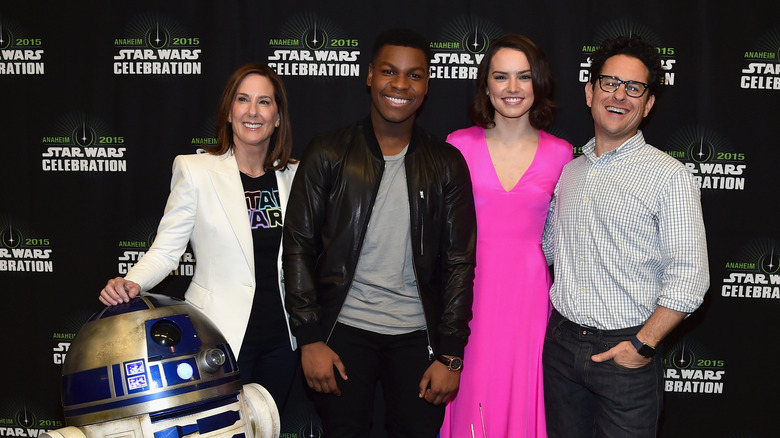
(626, 234)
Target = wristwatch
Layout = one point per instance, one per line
(642, 348)
(453, 363)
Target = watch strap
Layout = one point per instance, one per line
(449, 362)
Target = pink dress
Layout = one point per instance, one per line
(501, 381)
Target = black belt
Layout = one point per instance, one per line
(562, 321)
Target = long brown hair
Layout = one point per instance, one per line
(543, 110)
(281, 143)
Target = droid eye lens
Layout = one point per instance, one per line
(166, 333)
(184, 371)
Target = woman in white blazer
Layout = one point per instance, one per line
(229, 204)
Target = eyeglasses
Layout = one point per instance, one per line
(610, 84)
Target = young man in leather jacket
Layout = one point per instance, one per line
(379, 246)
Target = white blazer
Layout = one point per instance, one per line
(207, 208)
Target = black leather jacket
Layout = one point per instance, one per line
(327, 216)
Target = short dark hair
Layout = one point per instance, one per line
(401, 37)
(635, 47)
(542, 111)
(281, 143)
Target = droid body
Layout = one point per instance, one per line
(156, 367)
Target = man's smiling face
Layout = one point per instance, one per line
(617, 116)
(398, 78)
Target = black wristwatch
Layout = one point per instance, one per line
(453, 363)
(642, 348)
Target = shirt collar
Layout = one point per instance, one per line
(630, 145)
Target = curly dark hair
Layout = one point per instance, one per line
(635, 47)
(401, 37)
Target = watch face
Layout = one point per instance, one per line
(456, 364)
(646, 351)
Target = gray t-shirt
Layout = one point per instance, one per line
(384, 297)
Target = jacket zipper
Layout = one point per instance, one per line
(425, 315)
(414, 265)
(422, 231)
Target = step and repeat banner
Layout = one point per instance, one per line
(99, 97)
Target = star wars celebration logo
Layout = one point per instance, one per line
(157, 46)
(623, 28)
(310, 45)
(137, 245)
(21, 419)
(754, 274)
(460, 47)
(62, 338)
(20, 54)
(61, 346)
(80, 143)
(689, 369)
(24, 251)
(714, 163)
(762, 64)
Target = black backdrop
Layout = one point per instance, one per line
(92, 116)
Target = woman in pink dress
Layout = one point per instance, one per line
(514, 167)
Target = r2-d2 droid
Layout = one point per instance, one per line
(156, 367)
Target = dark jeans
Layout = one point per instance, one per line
(272, 366)
(398, 362)
(588, 399)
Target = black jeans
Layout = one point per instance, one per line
(398, 362)
(588, 399)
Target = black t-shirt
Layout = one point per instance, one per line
(267, 320)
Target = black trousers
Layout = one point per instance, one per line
(398, 362)
(272, 366)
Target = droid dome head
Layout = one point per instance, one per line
(151, 355)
